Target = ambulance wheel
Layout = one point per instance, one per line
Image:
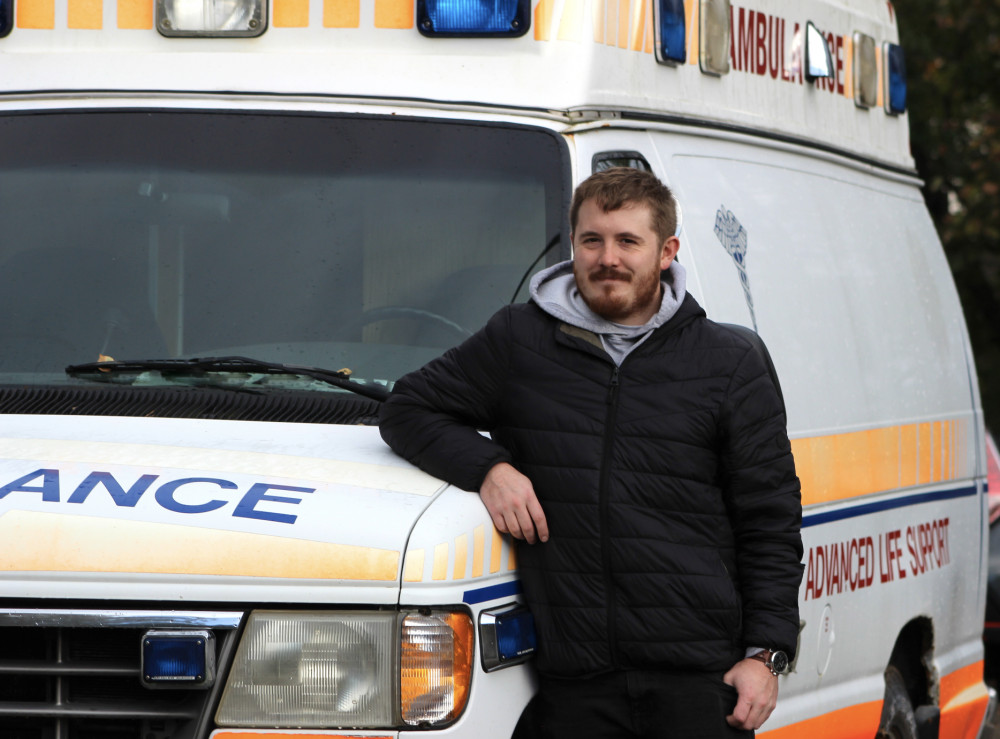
(416, 314)
(898, 719)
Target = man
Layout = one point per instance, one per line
(641, 450)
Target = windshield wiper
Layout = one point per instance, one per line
(199, 366)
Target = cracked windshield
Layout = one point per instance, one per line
(335, 242)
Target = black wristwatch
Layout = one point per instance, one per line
(775, 661)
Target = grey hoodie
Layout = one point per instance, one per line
(554, 290)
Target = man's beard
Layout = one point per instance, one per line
(616, 307)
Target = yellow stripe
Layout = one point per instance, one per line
(600, 8)
(413, 569)
(440, 568)
(623, 23)
(478, 539)
(496, 549)
(64, 543)
(842, 466)
(638, 24)
(88, 14)
(342, 13)
(135, 14)
(394, 14)
(291, 14)
(461, 556)
(571, 23)
(543, 20)
(36, 13)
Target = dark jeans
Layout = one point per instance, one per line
(635, 703)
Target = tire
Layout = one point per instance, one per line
(898, 720)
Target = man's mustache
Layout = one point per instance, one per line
(609, 273)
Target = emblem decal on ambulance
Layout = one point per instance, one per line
(733, 237)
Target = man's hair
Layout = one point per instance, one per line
(619, 187)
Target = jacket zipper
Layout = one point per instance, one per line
(603, 506)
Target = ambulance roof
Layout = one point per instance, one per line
(579, 60)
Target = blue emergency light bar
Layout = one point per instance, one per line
(465, 18)
(670, 29)
(178, 659)
(895, 64)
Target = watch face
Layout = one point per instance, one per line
(779, 662)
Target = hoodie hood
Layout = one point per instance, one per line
(554, 290)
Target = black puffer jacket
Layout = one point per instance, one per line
(668, 484)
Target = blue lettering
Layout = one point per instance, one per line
(246, 507)
(165, 495)
(49, 487)
(122, 497)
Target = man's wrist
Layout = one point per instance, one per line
(774, 660)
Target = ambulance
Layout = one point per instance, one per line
(228, 226)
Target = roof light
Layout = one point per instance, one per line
(714, 37)
(211, 17)
(819, 61)
(865, 71)
(508, 636)
(895, 79)
(669, 29)
(473, 17)
(178, 659)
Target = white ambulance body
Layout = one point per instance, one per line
(193, 546)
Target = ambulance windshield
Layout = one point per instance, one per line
(366, 243)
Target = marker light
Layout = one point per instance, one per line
(211, 17)
(895, 79)
(473, 17)
(819, 60)
(508, 636)
(865, 71)
(714, 37)
(435, 666)
(669, 30)
(178, 659)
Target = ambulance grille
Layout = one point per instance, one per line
(203, 403)
(72, 682)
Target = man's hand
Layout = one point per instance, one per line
(510, 498)
(758, 691)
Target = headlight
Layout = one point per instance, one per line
(348, 669)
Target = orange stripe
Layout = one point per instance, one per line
(291, 14)
(963, 702)
(571, 23)
(924, 452)
(135, 14)
(36, 13)
(853, 722)
(88, 14)
(543, 20)
(623, 23)
(394, 14)
(342, 13)
(68, 543)
(842, 466)
(496, 549)
(599, 11)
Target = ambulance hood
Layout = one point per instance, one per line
(178, 509)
